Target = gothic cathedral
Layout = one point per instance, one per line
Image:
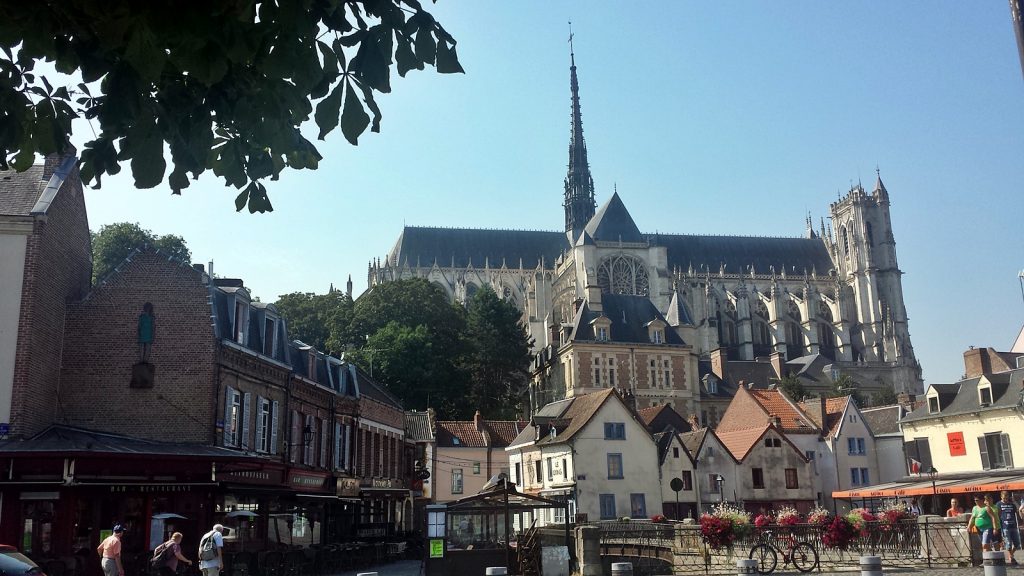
(676, 318)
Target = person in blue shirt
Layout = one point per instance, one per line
(1010, 520)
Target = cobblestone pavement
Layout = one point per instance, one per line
(413, 568)
(403, 568)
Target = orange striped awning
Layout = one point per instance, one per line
(924, 487)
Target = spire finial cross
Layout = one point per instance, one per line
(572, 55)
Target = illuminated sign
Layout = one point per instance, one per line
(436, 548)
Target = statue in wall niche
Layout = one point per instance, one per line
(146, 331)
(142, 371)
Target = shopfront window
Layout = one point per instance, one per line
(37, 527)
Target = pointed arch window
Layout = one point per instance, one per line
(846, 241)
(623, 274)
(868, 232)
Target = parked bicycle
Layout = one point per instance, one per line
(801, 554)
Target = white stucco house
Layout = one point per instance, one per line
(592, 451)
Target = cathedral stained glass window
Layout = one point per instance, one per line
(623, 274)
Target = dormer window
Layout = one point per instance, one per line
(602, 333)
(269, 335)
(658, 336)
(602, 328)
(241, 321)
(656, 331)
(933, 405)
(712, 386)
(985, 395)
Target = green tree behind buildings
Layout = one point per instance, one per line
(114, 242)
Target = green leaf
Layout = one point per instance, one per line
(178, 180)
(405, 58)
(327, 111)
(425, 47)
(353, 118)
(448, 60)
(241, 199)
(143, 54)
(147, 150)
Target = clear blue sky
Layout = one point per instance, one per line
(713, 117)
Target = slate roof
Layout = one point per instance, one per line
(417, 426)
(61, 438)
(664, 417)
(612, 223)
(1007, 392)
(421, 246)
(677, 313)
(884, 420)
(694, 440)
(629, 316)
(20, 191)
(739, 253)
(372, 389)
(567, 417)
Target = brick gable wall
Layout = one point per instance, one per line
(101, 346)
(58, 269)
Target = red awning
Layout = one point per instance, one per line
(924, 487)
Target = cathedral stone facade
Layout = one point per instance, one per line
(610, 306)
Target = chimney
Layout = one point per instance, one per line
(53, 161)
(777, 362)
(199, 267)
(719, 363)
(977, 362)
(817, 411)
(594, 298)
(776, 420)
(630, 399)
(478, 422)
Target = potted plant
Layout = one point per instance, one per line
(724, 525)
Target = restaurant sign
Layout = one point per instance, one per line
(957, 447)
(348, 487)
(307, 481)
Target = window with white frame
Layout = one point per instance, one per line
(232, 416)
(269, 335)
(658, 336)
(456, 480)
(241, 320)
(435, 524)
(262, 424)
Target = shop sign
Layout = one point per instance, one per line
(258, 476)
(151, 488)
(382, 483)
(307, 481)
(348, 487)
(957, 447)
(436, 548)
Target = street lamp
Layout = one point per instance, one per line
(719, 480)
(932, 473)
(307, 437)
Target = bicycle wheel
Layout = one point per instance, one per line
(766, 558)
(805, 557)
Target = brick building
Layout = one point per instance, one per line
(45, 261)
(180, 402)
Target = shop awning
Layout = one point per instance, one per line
(924, 487)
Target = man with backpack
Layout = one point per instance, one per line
(166, 556)
(211, 551)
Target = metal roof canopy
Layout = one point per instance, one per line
(924, 487)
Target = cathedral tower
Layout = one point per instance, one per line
(864, 251)
(579, 185)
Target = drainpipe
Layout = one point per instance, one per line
(696, 485)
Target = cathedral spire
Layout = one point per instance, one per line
(579, 185)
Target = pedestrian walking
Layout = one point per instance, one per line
(211, 551)
(1010, 522)
(167, 555)
(110, 553)
(983, 521)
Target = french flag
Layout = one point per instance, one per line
(915, 466)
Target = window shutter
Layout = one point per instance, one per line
(323, 443)
(229, 394)
(273, 427)
(985, 463)
(1004, 440)
(346, 462)
(293, 446)
(337, 445)
(246, 407)
(260, 429)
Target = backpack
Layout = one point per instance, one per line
(207, 548)
(162, 555)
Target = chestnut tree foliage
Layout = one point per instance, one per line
(224, 85)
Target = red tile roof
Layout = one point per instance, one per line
(500, 433)
(739, 442)
(834, 408)
(649, 414)
(775, 403)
